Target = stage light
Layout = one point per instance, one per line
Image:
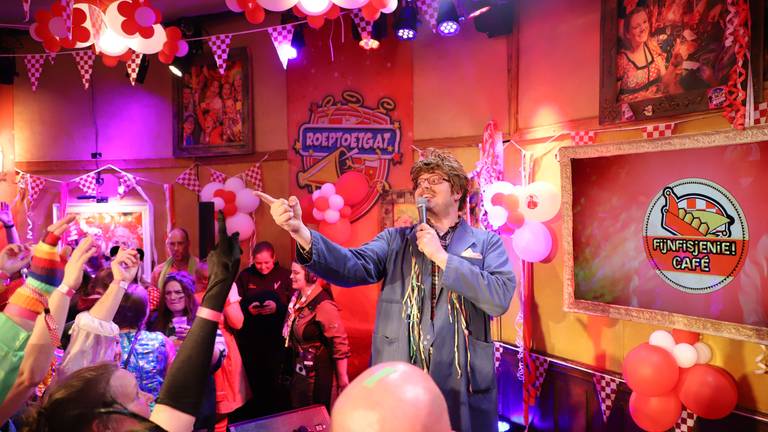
(298, 42)
(177, 67)
(448, 19)
(407, 22)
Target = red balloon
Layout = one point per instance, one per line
(709, 391)
(685, 336)
(229, 196)
(109, 61)
(352, 186)
(229, 209)
(219, 193)
(650, 370)
(339, 232)
(380, 4)
(655, 413)
(164, 57)
(345, 211)
(255, 13)
(298, 12)
(172, 34)
(497, 199)
(316, 21)
(307, 205)
(515, 219)
(333, 12)
(507, 230)
(370, 12)
(321, 203)
(124, 57)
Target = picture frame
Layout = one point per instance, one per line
(211, 111)
(612, 266)
(675, 61)
(398, 209)
(127, 225)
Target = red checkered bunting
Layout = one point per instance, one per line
(34, 186)
(281, 35)
(51, 57)
(128, 182)
(607, 388)
(218, 176)
(68, 15)
(428, 12)
(34, 63)
(686, 421)
(84, 60)
(87, 183)
(498, 349)
(364, 26)
(658, 130)
(189, 179)
(761, 113)
(132, 66)
(583, 138)
(220, 47)
(537, 369)
(97, 21)
(253, 175)
(25, 3)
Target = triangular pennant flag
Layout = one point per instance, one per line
(541, 371)
(97, 22)
(498, 350)
(254, 176)
(364, 26)
(686, 421)
(583, 138)
(607, 388)
(658, 130)
(189, 179)
(281, 38)
(127, 182)
(535, 371)
(34, 186)
(428, 11)
(84, 60)
(51, 57)
(220, 47)
(34, 64)
(25, 3)
(68, 16)
(217, 176)
(87, 183)
(133, 66)
(761, 113)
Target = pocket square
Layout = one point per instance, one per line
(469, 253)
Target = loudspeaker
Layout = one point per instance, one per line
(313, 418)
(206, 232)
(7, 70)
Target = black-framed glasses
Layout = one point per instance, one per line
(431, 180)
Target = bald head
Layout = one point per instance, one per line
(392, 396)
(178, 244)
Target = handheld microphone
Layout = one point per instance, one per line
(421, 206)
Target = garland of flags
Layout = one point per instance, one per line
(190, 177)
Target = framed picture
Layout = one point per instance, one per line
(211, 111)
(670, 232)
(126, 225)
(668, 57)
(398, 209)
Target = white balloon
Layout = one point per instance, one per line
(547, 200)
(242, 223)
(234, 184)
(663, 339)
(391, 6)
(314, 7)
(218, 203)
(327, 190)
(492, 189)
(233, 6)
(332, 216)
(88, 23)
(685, 355)
(703, 353)
(318, 214)
(497, 216)
(111, 44)
(206, 194)
(278, 5)
(336, 202)
(351, 4)
(246, 201)
(152, 45)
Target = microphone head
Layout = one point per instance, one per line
(421, 202)
(421, 206)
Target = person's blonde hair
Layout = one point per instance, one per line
(440, 161)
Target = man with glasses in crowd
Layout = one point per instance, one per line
(441, 282)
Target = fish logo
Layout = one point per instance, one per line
(695, 235)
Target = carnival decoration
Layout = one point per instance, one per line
(235, 201)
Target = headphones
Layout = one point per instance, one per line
(310, 278)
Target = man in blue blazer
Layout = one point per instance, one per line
(442, 281)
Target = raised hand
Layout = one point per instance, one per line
(61, 225)
(285, 212)
(125, 265)
(73, 271)
(14, 257)
(6, 218)
(223, 265)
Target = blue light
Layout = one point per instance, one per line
(448, 28)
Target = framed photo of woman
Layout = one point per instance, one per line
(667, 57)
(211, 110)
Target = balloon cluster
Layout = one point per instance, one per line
(174, 46)
(519, 212)
(331, 206)
(235, 201)
(672, 371)
(316, 11)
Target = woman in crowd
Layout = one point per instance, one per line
(314, 331)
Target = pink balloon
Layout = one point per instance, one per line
(336, 202)
(183, 49)
(58, 27)
(242, 223)
(218, 203)
(316, 194)
(145, 16)
(331, 216)
(246, 201)
(318, 215)
(233, 6)
(327, 190)
(532, 241)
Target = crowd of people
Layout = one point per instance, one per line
(203, 344)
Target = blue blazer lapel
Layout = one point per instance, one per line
(462, 239)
